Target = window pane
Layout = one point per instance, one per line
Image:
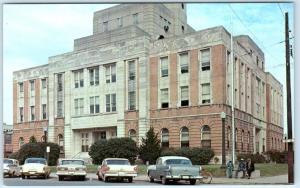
(184, 93)
(184, 62)
(131, 70)
(108, 103)
(164, 95)
(164, 66)
(113, 103)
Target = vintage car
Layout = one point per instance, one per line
(119, 168)
(35, 167)
(71, 168)
(174, 168)
(11, 167)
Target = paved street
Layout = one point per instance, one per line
(140, 180)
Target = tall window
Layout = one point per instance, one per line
(205, 137)
(205, 93)
(242, 137)
(272, 145)
(21, 142)
(79, 106)
(236, 138)
(111, 103)
(135, 18)
(32, 85)
(44, 111)
(184, 137)
(78, 77)
(228, 137)
(184, 64)
(205, 60)
(164, 138)
(248, 142)
(59, 108)
(21, 87)
(110, 73)
(131, 70)
(59, 82)
(184, 95)
(131, 100)
(164, 98)
(120, 22)
(44, 83)
(32, 112)
(94, 105)
(61, 143)
(21, 114)
(132, 134)
(94, 76)
(164, 66)
(84, 142)
(105, 26)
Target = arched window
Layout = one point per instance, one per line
(60, 139)
(242, 139)
(205, 137)
(132, 134)
(184, 137)
(272, 144)
(21, 142)
(165, 138)
(275, 146)
(248, 142)
(228, 137)
(236, 138)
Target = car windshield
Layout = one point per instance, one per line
(72, 162)
(178, 162)
(7, 161)
(117, 162)
(33, 160)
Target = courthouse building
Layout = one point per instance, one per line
(145, 66)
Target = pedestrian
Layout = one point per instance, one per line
(229, 169)
(241, 168)
(250, 167)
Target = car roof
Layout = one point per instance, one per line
(71, 159)
(116, 159)
(36, 158)
(173, 157)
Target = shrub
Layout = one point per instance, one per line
(277, 156)
(198, 156)
(256, 158)
(32, 139)
(150, 147)
(115, 147)
(38, 150)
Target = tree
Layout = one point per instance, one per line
(32, 139)
(150, 147)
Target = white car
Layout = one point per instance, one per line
(11, 167)
(35, 167)
(71, 168)
(119, 168)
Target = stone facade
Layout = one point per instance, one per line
(145, 66)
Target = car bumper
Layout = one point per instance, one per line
(184, 177)
(118, 174)
(33, 173)
(62, 173)
(6, 172)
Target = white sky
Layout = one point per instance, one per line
(33, 32)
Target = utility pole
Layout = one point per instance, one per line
(289, 106)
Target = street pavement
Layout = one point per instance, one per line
(141, 180)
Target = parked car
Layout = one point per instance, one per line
(11, 167)
(71, 168)
(174, 168)
(35, 167)
(119, 168)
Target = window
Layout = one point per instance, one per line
(236, 138)
(248, 141)
(94, 105)
(21, 142)
(103, 135)
(131, 70)
(164, 138)
(184, 95)
(205, 60)
(184, 137)
(111, 103)
(61, 143)
(164, 98)
(184, 65)
(135, 18)
(94, 76)
(120, 22)
(182, 28)
(59, 108)
(164, 67)
(7, 139)
(182, 5)
(228, 137)
(205, 137)
(84, 142)
(44, 83)
(78, 106)
(132, 134)
(32, 85)
(44, 111)
(21, 113)
(242, 138)
(21, 87)
(205, 93)
(110, 73)
(105, 26)
(59, 82)
(272, 144)
(131, 100)
(78, 77)
(32, 112)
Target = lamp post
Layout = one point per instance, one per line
(223, 116)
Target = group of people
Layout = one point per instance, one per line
(247, 167)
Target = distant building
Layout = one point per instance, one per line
(145, 66)
(7, 133)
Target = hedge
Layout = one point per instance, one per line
(256, 158)
(198, 156)
(276, 156)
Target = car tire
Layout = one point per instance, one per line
(164, 181)
(151, 179)
(130, 180)
(45, 176)
(22, 176)
(99, 178)
(105, 179)
(192, 182)
(82, 178)
(60, 178)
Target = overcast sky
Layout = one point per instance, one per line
(32, 33)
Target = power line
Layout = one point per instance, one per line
(280, 10)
